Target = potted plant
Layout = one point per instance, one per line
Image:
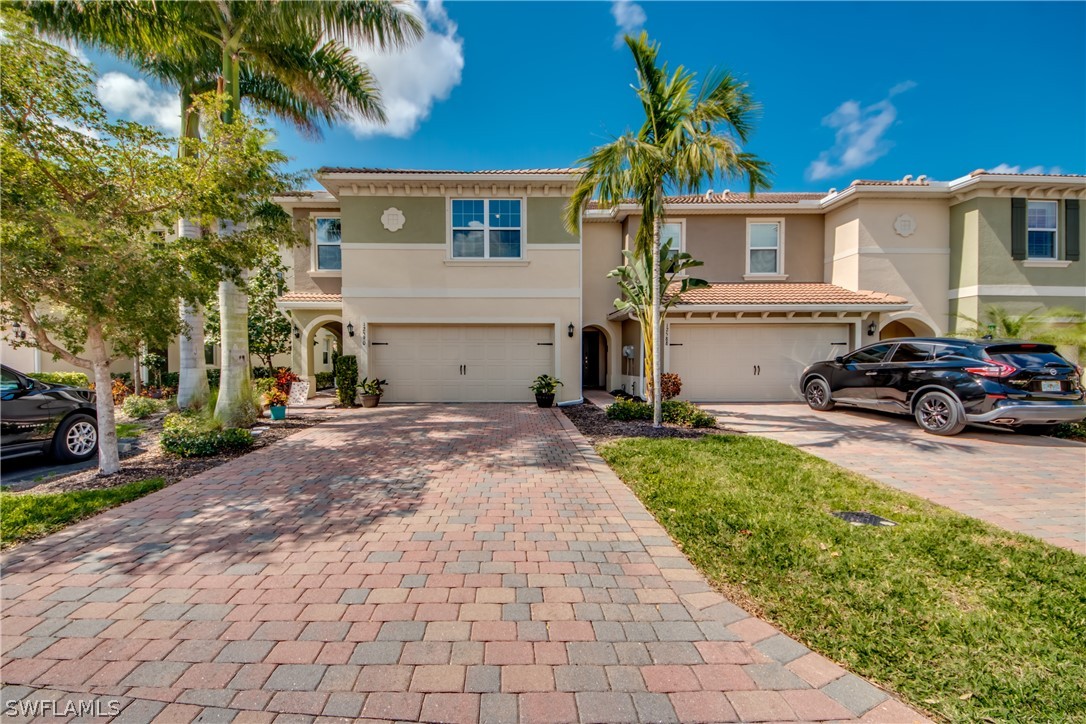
(544, 387)
(371, 391)
(277, 403)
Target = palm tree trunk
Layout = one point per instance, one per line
(234, 407)
(192, 387)
(657, 400)
(109, 460)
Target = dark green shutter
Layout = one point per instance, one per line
(1018, 228)
(1073, 230)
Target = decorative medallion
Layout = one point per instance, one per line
(905, 225)
(392, 219)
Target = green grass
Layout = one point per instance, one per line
(962, 619)
(129, 429)
(27, 516)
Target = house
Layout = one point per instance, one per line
(463, 286)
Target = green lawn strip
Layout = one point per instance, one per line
(959, 617)
(130, 429)
(29, 515)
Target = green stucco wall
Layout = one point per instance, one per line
(424, 220)
(545, 222)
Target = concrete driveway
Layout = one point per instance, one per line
(1032, 485)
(426, 562)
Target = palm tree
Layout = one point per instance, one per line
(689, 136)
(288, 58)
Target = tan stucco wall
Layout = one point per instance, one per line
(721, 242)
(602, 253)
(300, 259)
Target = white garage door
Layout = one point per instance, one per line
(749, 362)
(454, 363)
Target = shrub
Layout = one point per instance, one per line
(72, 379)
(325, 380)
(670, 385)
(629, 410)
(346, 378)
(193, 435)
(140, 407)
(124, 376)
(276, 398)
(120, 390)
(213, 376)
(677, 412)
(284, 378)
(263, 385)
(171, 379)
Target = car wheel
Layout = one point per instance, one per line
(76, 439)
(939, 414)
(817, 394)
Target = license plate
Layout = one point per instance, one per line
(1051, 386)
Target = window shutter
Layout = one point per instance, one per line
(1018, 228)
(1073, 231)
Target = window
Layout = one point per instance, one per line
(1041, 229)
(764, 247)
(486, 229)
(673, 231)
(209, 354)
(912, 352)
(869, 355)
(326, 238)
(9, 382)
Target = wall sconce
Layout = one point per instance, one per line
(350, 329)
(17, 331)
(297, 332)
(570, 329)
(872, 328)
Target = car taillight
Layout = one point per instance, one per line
(993, 369)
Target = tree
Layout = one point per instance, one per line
(1060, 326)
(82, 268)
(689, 136)
(269, 327)
(286, 57)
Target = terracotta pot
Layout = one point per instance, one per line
(370, 400)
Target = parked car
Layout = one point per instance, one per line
(947, 383)
(36, 417)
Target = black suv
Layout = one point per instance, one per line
(40, 418)
(947, 383)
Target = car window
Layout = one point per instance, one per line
(869, 355)
(9, 381)
(912, 352)
(1030, 360)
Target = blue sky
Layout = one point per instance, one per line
(849, 90)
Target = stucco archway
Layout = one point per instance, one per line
(907, 326)
(313, 350)
(595, 357)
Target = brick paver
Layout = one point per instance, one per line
(1024, 483)
(441, 563)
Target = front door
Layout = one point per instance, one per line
(590, 348)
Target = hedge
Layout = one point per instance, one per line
(346, 378)
(677, 412)
(190, 436)
(325, 380)
(72, 379)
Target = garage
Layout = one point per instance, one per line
(460, 363)
(749, 362)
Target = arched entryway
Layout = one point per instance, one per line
(320, 342)
(906, 328)
(594, 347)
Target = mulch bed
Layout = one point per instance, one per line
(155, 463)
(594, 424)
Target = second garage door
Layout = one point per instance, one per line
(461, 363)
(749, 362)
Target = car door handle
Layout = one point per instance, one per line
(871, 373)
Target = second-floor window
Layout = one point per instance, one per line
(764, 247)
(1041, 229)
(672, 231)
(326, 242)
(487, 229)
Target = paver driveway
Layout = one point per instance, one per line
(1032, 485)
(443, 563)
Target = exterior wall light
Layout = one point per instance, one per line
(350, 329)
(297, 332)
(17, 331)
(570, 329)
(872, 328)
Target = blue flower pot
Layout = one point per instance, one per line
(278, 412)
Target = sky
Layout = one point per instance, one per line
(848, 89)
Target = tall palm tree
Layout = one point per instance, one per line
(288, 58)
(689, 136)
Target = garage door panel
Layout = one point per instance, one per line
(423, 362)
(749, 363)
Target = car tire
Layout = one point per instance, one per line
(817, 394)
(76, 439)
(939, 413)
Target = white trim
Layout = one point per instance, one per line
(475, 261)
(523, 228)
(765, 277)
(361, 245)
(321, 273)
(463, 293)
(1051, 263)
(1055, 230)
(773, 276)
(313, 256)
(1015, 290)
(681, 223)
(886, 250)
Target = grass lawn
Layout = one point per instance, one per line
(960, 618)
(27, 516)
(130, 429)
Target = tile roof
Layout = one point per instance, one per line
(920, 181)
(730, 197)
(782, 293)
(311, 297)
(982, 172)
(437, 172)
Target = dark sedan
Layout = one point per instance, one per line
(947, 383)
(39, 418)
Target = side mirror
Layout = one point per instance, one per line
(839, 359)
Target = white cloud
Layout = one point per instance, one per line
(1007, 168)
(629, 17)
(860, 138)
(412, 80)
(134, 99)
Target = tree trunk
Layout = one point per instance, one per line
(234, 407)
(193, 389)
(109, 461)
(657, 398)
(137, 379)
